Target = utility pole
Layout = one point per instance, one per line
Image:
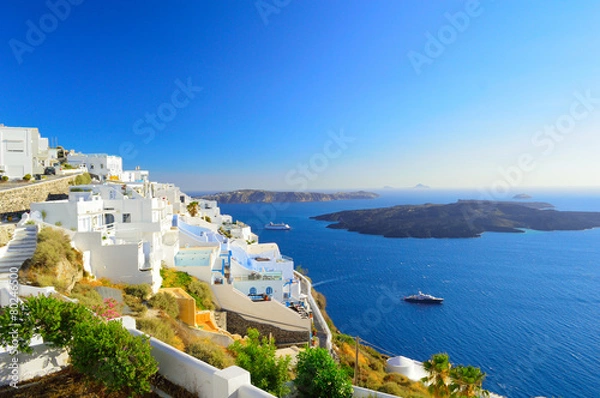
(356, 368)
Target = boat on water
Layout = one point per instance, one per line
(280, 226)
(423, 299)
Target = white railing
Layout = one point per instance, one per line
(316, 311)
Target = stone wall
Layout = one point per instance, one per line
(237, 324)
(14, 201)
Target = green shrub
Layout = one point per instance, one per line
(108, 353)
(319, 376)
(5, 178)
(52, 319)
(166, 302)
(27, 177)
(141, 291)
(156, 328)
(135, 304)
(86, 295)
(83, 179)
(202, 294)
(258, 357)
(209, 352)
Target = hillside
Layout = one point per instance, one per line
(260, 196)
(463, 219)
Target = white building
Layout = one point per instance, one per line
(23, 151)
(255, 270)
(104, 167)
(136, 175)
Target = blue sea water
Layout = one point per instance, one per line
(523, 307)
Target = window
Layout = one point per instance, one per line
(252, 290)
(269, 291)
(109, 219)
(126, 217)
(15, 146)
(91, 167)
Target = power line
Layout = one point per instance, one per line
(379, 348)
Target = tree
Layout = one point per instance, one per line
(258, 357)
(466, 382)
(319, 376)
(438, 375)
(192, 208)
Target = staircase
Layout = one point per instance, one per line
(20, 248)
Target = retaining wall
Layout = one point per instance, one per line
(17, 200)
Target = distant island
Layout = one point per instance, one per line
(421, 186)
(260, 196)
(522, 196)
(463, 219)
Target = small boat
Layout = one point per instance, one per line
(280, 226)
(423, 299)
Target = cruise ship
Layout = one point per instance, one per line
(280, 226)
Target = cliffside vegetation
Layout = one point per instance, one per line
(199, 290)
(371, 364)
(54, 263)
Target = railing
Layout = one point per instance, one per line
(271, 276)
(316, 311)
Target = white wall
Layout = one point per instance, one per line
(199, 377)
(43, 361)
(18, 147)
(119, 263)
(360, 392)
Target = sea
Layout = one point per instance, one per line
(524, 307)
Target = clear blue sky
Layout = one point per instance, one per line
(277, 83)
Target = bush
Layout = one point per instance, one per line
(109, 309)
(258, 357)
(83, 179)
(209, 352)
(86, 295)
(52, 319)
(135, 305)
(107, 352)
(141, 291)
(166, 302)
(202, 294)
(27, 177)
(159, 329)
(5, 178)
(199, 290)
(319, 376)
(53, 249)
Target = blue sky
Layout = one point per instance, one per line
(291, 95)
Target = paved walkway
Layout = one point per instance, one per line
(20, 248)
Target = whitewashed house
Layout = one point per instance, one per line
(23, 151)
(255, 270)
(126, 233)
(104, 167)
